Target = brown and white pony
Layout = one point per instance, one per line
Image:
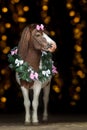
(33, 41)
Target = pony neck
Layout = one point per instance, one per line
(33, 58)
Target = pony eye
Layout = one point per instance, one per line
(38, 34)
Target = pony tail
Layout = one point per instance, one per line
(23, 43)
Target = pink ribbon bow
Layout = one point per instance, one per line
(54, 70)
(14, 51)
(40, 27)
(34, 76)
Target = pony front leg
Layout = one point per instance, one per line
(35, 102)
(26, 104)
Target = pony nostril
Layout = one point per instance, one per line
(49, 46)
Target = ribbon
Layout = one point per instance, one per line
(14, 51)
(40, 27)
(47, 72)
(18, 62)
(34, 75)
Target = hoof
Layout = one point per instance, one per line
(45, 118)
(27, 123)
(35, 123)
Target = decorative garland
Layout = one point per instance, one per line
(26, 72)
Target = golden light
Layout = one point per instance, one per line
(78, 48)
(76, 97)
(80, 60)
(76, 30)
(45, 7)
(78, 25)
(22, 19)
(56, 88)
(14, 1)
(52, 33)
(45, 0)
(47, 19)
(78, 35)
(3, 99)
(6, 86)
(4, 37)
(78, 89)
(3, 71)
(83, 76)
(78, 56)
(76, 19)
(80, 74)
(84, 1)
(20, 12)
(74, 81)
(69, 5)
(72, 13)
(4, 9)
(26, 8)
(7, 25)
(6, 50)
(1, 91)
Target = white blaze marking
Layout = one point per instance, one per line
(49, 40)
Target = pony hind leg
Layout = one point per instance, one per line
(46, 91)
(26, 104)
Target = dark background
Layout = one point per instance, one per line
(62, 24)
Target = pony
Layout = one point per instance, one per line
(32, 61)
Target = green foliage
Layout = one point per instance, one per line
(26, 72)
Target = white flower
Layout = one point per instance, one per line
(47, 72)
(18, 62)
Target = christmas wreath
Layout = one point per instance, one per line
(27, 72)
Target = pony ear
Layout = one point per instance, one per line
(23, 43)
